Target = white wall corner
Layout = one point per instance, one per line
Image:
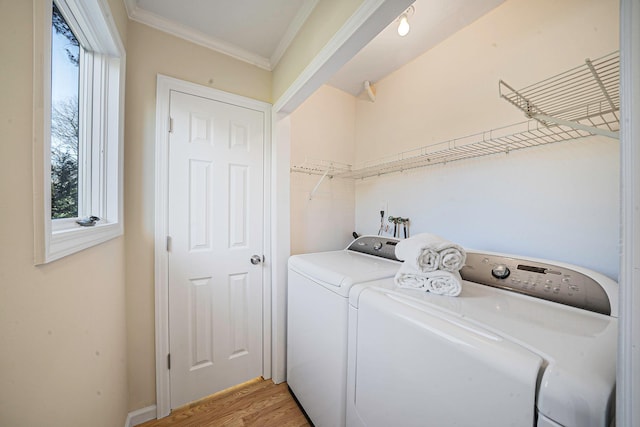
(280, 242)
(140, 416)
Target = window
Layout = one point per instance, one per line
(65, 131)
(78, 127)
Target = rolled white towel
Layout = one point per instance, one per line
(444, 283)
(438, 282)
(426, 260)
(427, 252)
(409, 277)
(452, 258)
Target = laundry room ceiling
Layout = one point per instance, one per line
(431, 22)
(259, 31)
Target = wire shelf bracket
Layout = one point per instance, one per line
(324, 175)
(324, 168)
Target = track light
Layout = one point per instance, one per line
(403, 19)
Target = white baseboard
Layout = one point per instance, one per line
(140, 416)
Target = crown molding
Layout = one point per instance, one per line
(295, 26)
(155, 21)
(166, 25)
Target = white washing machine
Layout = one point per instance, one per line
(317, 321)
(527, 343)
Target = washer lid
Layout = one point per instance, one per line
(418, 367)
(342, 269)
(577, 381)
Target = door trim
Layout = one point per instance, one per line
(627, 394)
(165, 85)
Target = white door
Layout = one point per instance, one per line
(215, 227)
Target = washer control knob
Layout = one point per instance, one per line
(500, 271)
(377, 246)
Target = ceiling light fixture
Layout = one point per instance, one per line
(403, 19)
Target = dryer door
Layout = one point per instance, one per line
(416, 365)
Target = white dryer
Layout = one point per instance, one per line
(527, 343)
(317, 321)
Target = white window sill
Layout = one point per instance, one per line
(68, 241)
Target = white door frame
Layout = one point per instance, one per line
(164, 87)
(628, 394)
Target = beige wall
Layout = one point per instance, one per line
(325, 20)
(531, 202)
(452, 90)
(119, 14)
(151, 52)
(323, 127)
(62, 325)
(559, 201)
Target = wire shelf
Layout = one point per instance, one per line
(321, 167)
(581, 102)
(500, 140)
(587, 96)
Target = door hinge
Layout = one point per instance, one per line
(169, 361)
(168, 243)
(170, 125)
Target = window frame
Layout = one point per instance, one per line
(102, 79)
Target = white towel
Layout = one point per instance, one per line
(411, 279)
(444, 283)
(427, 252)
(452, 258)
(437, 282)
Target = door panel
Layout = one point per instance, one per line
(238, 205)
(216, 225)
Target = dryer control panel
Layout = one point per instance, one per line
(383, 247)
(560, 283)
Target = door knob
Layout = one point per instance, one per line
(256, 259)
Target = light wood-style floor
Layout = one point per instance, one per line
(255, 403)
